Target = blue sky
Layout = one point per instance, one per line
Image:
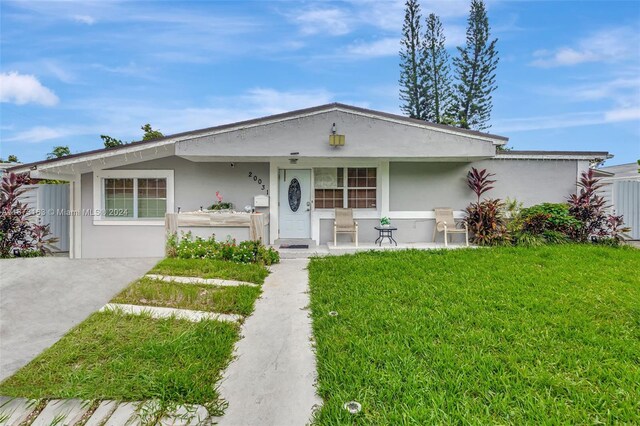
(569, 72)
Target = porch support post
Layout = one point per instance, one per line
(75, 217)
(273, 202)
(384, 188)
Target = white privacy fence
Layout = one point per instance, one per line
(626, 201)
(50, 203)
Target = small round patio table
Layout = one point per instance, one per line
(385, 232)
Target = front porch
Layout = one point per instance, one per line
(330, 249)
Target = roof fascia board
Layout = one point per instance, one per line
(215, 131)
(549, 157)
(422, 126)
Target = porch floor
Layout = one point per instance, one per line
(349, 248)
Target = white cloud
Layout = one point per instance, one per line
(603, 46)
(622, 114)
(22, 89)
(383, 47)
(271, 101)
(332, 21)
(560, 121)
(84, 19)
(40, 134)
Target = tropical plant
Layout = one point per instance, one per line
(549, 217)
(385, 221)
(479, 182)
(485, 218)
(187, 247)
(616, 228)
(486, 221)
(588, 207)
(19, 234)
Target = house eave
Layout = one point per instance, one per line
(100, 154)
(554, 155)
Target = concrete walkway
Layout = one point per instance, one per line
(271, 382)
(42, 298)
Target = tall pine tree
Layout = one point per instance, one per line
(435, 75)
(411, 89)
(475, 71)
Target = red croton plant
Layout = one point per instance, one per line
(484, 217)
(19, 233)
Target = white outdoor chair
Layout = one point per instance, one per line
(344, 224)
(447, 224)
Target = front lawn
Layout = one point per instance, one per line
(546, 335)
(133, 358)
(199, 297)
(212, 268)
(130, 358)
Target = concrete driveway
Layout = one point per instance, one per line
(42, 298)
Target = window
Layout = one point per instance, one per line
(132, 196)
(362, 188)
(121, 199)
(152, 197)
(118, 198)
(358, 190)
(328, 184)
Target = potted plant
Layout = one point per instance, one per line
(220, 205)
(385, 222)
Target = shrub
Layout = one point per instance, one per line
(485, 218)
(486, 221)
(528, 239)
(549, 217)
(17, 231)
(187, 247)
(588, 208)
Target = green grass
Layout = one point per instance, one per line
(547, 335)
(130, 358)
(134, 358)
(211, 268)
(226, 300)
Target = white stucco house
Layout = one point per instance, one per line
(377, 163)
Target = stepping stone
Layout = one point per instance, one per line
(62, 412)
(125, 415)
(158, 312)
(197, 280)
(186, 415)
(14, 411)
(102, 413)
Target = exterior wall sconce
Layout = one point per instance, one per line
(335, 139)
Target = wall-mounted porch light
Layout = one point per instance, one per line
(335, 139)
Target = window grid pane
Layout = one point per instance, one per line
(118, 197)
(152, 197)
(364, 179)
(329, 198)
(361, 187)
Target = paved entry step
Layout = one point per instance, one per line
(197, 280)
(158, 312)
(67, 412)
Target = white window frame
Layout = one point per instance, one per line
(345, 187)
(98, 195)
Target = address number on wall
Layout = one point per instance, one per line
(258, 180)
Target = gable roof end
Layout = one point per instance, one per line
(170, 139)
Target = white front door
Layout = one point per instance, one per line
(295, 203)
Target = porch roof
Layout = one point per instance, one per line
(171, 140)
